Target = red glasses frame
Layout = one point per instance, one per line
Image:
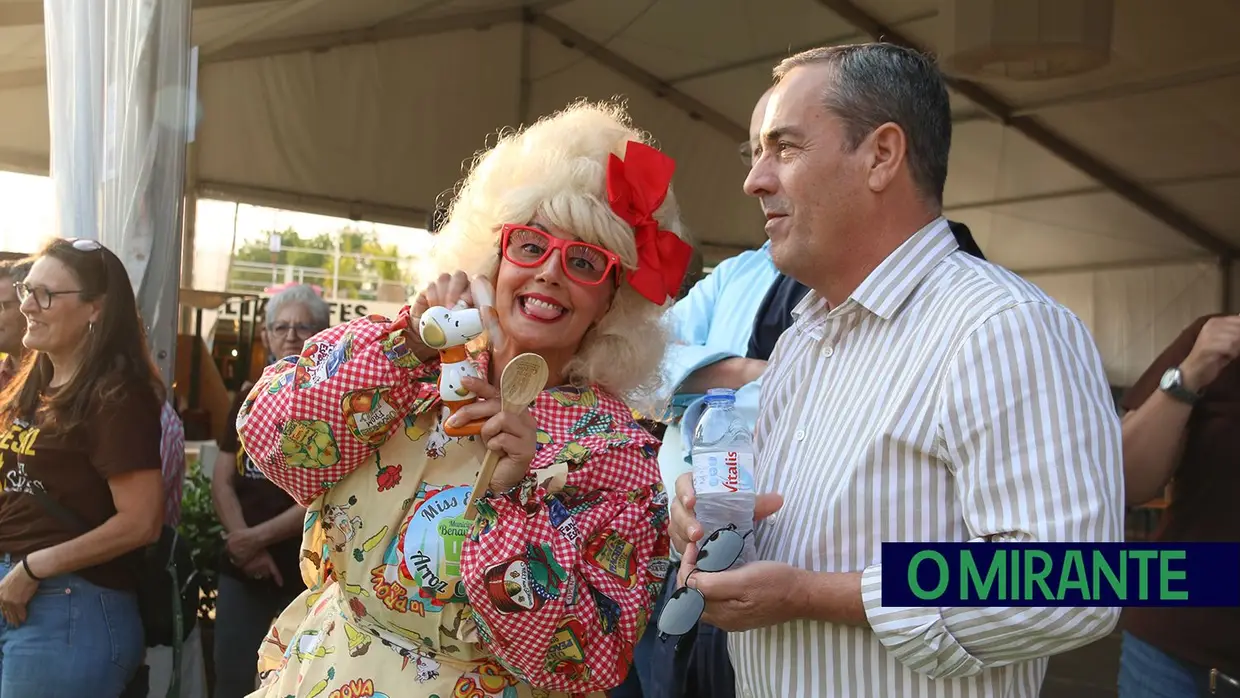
(557, 243)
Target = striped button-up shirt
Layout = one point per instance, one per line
(945, 400)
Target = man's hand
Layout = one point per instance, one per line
(757, 595)
(1218, 344)
(684, 527)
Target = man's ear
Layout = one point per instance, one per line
(888, 151)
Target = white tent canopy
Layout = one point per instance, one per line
(1117, 190)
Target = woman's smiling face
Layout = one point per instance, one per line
(541, 308)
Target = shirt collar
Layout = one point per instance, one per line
(891, 283)
(886, 288)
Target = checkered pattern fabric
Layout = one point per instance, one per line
(605, 531)
(595, 543)
(323, 414)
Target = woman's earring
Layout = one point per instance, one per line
(90, 326)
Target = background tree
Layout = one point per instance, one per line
(363, 262)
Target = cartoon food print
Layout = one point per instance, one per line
(388, 476)
(574, 397)
(487, 681)
(308, 444)
(574, 454)
(525, 582)
(358, 641)
(608, 611)
(374, 540)
(593, 423)
(397, 350)
(614, 555)
(567, 656)
(562, 520)
(321, 360)
(340, 527)
(368, 413)
(541, 438)
(309, 645)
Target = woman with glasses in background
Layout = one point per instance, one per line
(259, 574)
(80, 442)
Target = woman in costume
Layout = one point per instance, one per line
(546, 591)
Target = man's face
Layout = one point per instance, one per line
(12, 322)
(812, 190)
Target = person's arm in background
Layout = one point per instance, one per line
(690, 365)
(1155, 426)
(247, 545)
(124, 448)
(290, 523)
(223, 492)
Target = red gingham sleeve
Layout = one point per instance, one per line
(312, 419)
(562, 583)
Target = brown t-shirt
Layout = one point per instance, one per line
(73, 470)
(1204, 497)
(261, 500)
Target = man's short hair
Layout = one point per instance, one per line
(15, 269)
(877, 83)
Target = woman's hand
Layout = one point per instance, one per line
(263, 566)
(445, 291)
(510, 433)
(243, 545)
(16, 590)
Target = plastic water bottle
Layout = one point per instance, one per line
(723, 459)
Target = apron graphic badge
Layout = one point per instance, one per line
(525, 582)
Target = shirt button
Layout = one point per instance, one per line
(828, 352)
(800, 435)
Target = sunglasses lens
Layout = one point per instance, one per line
(681, 612)
(720, 551)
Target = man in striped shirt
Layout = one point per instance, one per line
(921, 394)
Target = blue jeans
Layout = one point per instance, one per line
(1147, 672)
(79, 639)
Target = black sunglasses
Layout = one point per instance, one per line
(684, 608)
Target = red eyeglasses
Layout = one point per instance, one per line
(582, 262)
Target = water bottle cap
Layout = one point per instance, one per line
(720, 396)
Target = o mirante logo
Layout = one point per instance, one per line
(1061, 574)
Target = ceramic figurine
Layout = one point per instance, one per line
(449, 331)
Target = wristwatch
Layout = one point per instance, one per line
(1172, 383)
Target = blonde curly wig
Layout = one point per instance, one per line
(557, 167)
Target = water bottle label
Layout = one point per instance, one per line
(722, 472)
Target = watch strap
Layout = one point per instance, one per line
(1176, 389)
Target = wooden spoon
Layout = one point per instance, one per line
(522, 380)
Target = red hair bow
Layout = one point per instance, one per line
(636, 187)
